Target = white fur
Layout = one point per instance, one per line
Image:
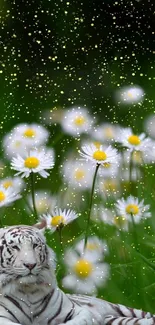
(35, 299)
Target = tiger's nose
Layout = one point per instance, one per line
(29, 265)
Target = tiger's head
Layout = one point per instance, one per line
(25, 258)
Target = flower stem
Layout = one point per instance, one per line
(33, 195)
(1, 218)
(60, 237)
(57, 139)
(130, 172)
(135, 233)
(90, 206)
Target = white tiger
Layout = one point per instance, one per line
(29, 294)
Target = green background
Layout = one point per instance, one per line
(66, 53)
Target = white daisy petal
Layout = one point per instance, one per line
(36, 161)
(85, 273)
(130, 94)
(7, 196)
(59, 218)
(99, 155)
(132, 207)
(133, 141)
(24, 137)
(76, 121)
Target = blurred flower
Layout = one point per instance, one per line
(76, 121)
(110, 217)
(132, 206)
(35, 161)
(16, 183)
(96, 249)
(149, 125)
(130, 94)
(101, 155)
(49, 151)
(7, 196)
(100, 213)
(121, 222)
(134, 142)
(109, 187)
(77, 174)
(106, 132)
(33, 134)
(126, 177)
(86, 275)
(13, 145)
(23, 137)
(44, 201)
(59, 218)
(110, 170)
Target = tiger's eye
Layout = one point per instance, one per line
(16, 247)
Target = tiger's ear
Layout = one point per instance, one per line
(2, 230)
(41, 225)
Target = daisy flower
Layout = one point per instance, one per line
(35, 161)
(59, 218)
(100, 213)
(44, 201)
(110, 170)
(13, 145)
(76, 121)
(110, 217)
(77, 174)
(24, 137)
(99, 155)
(109, 186)
(149, 125)
(85, 274)
(132, 207)
(95, 249)
(126, 177)
(33, 134)
(16, 183)
(137, 158)
(7, 196)
(130, 95)
(133, 141)
(106, 132)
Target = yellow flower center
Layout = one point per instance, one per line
(130, 94)
(31, 162)
(110, 185)
(57, 221)
(79, 120)
(97, 144)
(42, 205)
(132, 208)
(79, 174)
(29, 133)
(92, 246)
(137, 157)
(17, 144)
(7, 184)
(106, 165)
(109, 133)
(99, 155)
(134, 139)
(120, 221)
(2, 196)
(83, 268)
